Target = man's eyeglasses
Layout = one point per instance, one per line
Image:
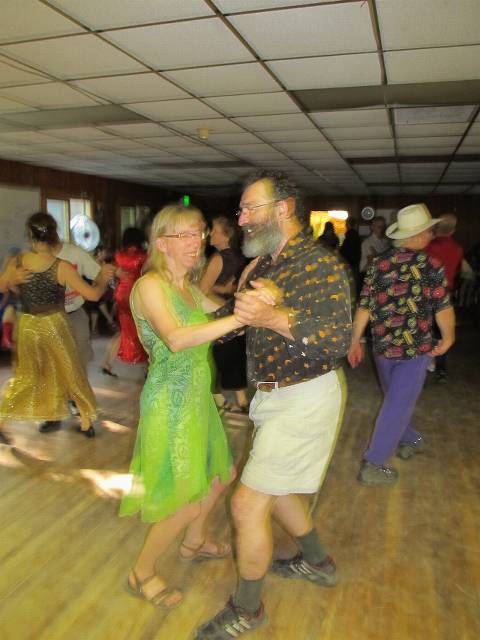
(187, 235)
(251, 208)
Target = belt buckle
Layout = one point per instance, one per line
(274, 385)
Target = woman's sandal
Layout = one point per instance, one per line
(240, 409)
(224, 550)
(159, 599)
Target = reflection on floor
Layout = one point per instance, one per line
(408, 555)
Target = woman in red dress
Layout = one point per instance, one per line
(129, 262)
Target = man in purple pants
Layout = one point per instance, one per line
(403, 290)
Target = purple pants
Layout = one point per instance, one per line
(402, 382)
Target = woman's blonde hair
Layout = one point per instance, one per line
(167, 221)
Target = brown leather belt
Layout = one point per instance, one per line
(270, 386)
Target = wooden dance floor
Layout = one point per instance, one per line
(408, 556)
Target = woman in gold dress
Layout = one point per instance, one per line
(48, 371)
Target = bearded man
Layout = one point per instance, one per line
(293, 352)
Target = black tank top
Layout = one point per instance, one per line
(233, 263)
(42, 293)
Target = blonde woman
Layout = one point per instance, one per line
(182, 461)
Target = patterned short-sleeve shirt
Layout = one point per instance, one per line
(402, 291)
(317, 294)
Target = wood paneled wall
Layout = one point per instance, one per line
(112, 194)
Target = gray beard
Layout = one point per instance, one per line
(265, 241)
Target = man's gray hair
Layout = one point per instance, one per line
(283, 187)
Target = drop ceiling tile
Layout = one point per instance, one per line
(424, 130)
(408, 150)
(137, 130)
(79, 133)
(275, 123)
(169, 46)
(54, 95)
(152, 154)
(413, 167)
(365, 144)
(464, 167)
(354, 70)
(202, 153)
(138, 87)
(473, 148)
(222, 139)
(314, 145)
(254, 104)
(96, 155)
(324, 152)
(109, 14)
(217, 125)
(29, 19)
(171, 110)
(233, 6)
(26, 137)
(351, 118)
(308, 31)
(434, 141)
(173, 142)
(10, 106)
(350, 133)
(259, 148)
(410, 24)
(295, 135)
(432, 115)
(73, 57)
(432, 65)
(12, 75)
(115, 143)
(65, 147)
(475, 128)
(370, 153)
(225, 79)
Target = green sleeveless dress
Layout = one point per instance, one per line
(181, 444)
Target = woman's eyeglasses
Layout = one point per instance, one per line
(187, 235)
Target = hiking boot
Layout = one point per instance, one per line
(324, 573)
(231, 622)
(50, 425)
(376, 475)
(406, 450)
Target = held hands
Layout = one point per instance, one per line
(19, 276)
(267, 291)
(355, 354)
(107, 273)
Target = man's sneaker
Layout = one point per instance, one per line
(406, 450)
(231, 622)
(373, 474)
(440, 376)
(50, 425)
(323, 574)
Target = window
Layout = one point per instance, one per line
(64, 210)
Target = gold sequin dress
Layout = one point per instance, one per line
(48, 371)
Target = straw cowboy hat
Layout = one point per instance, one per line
(411, 221)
